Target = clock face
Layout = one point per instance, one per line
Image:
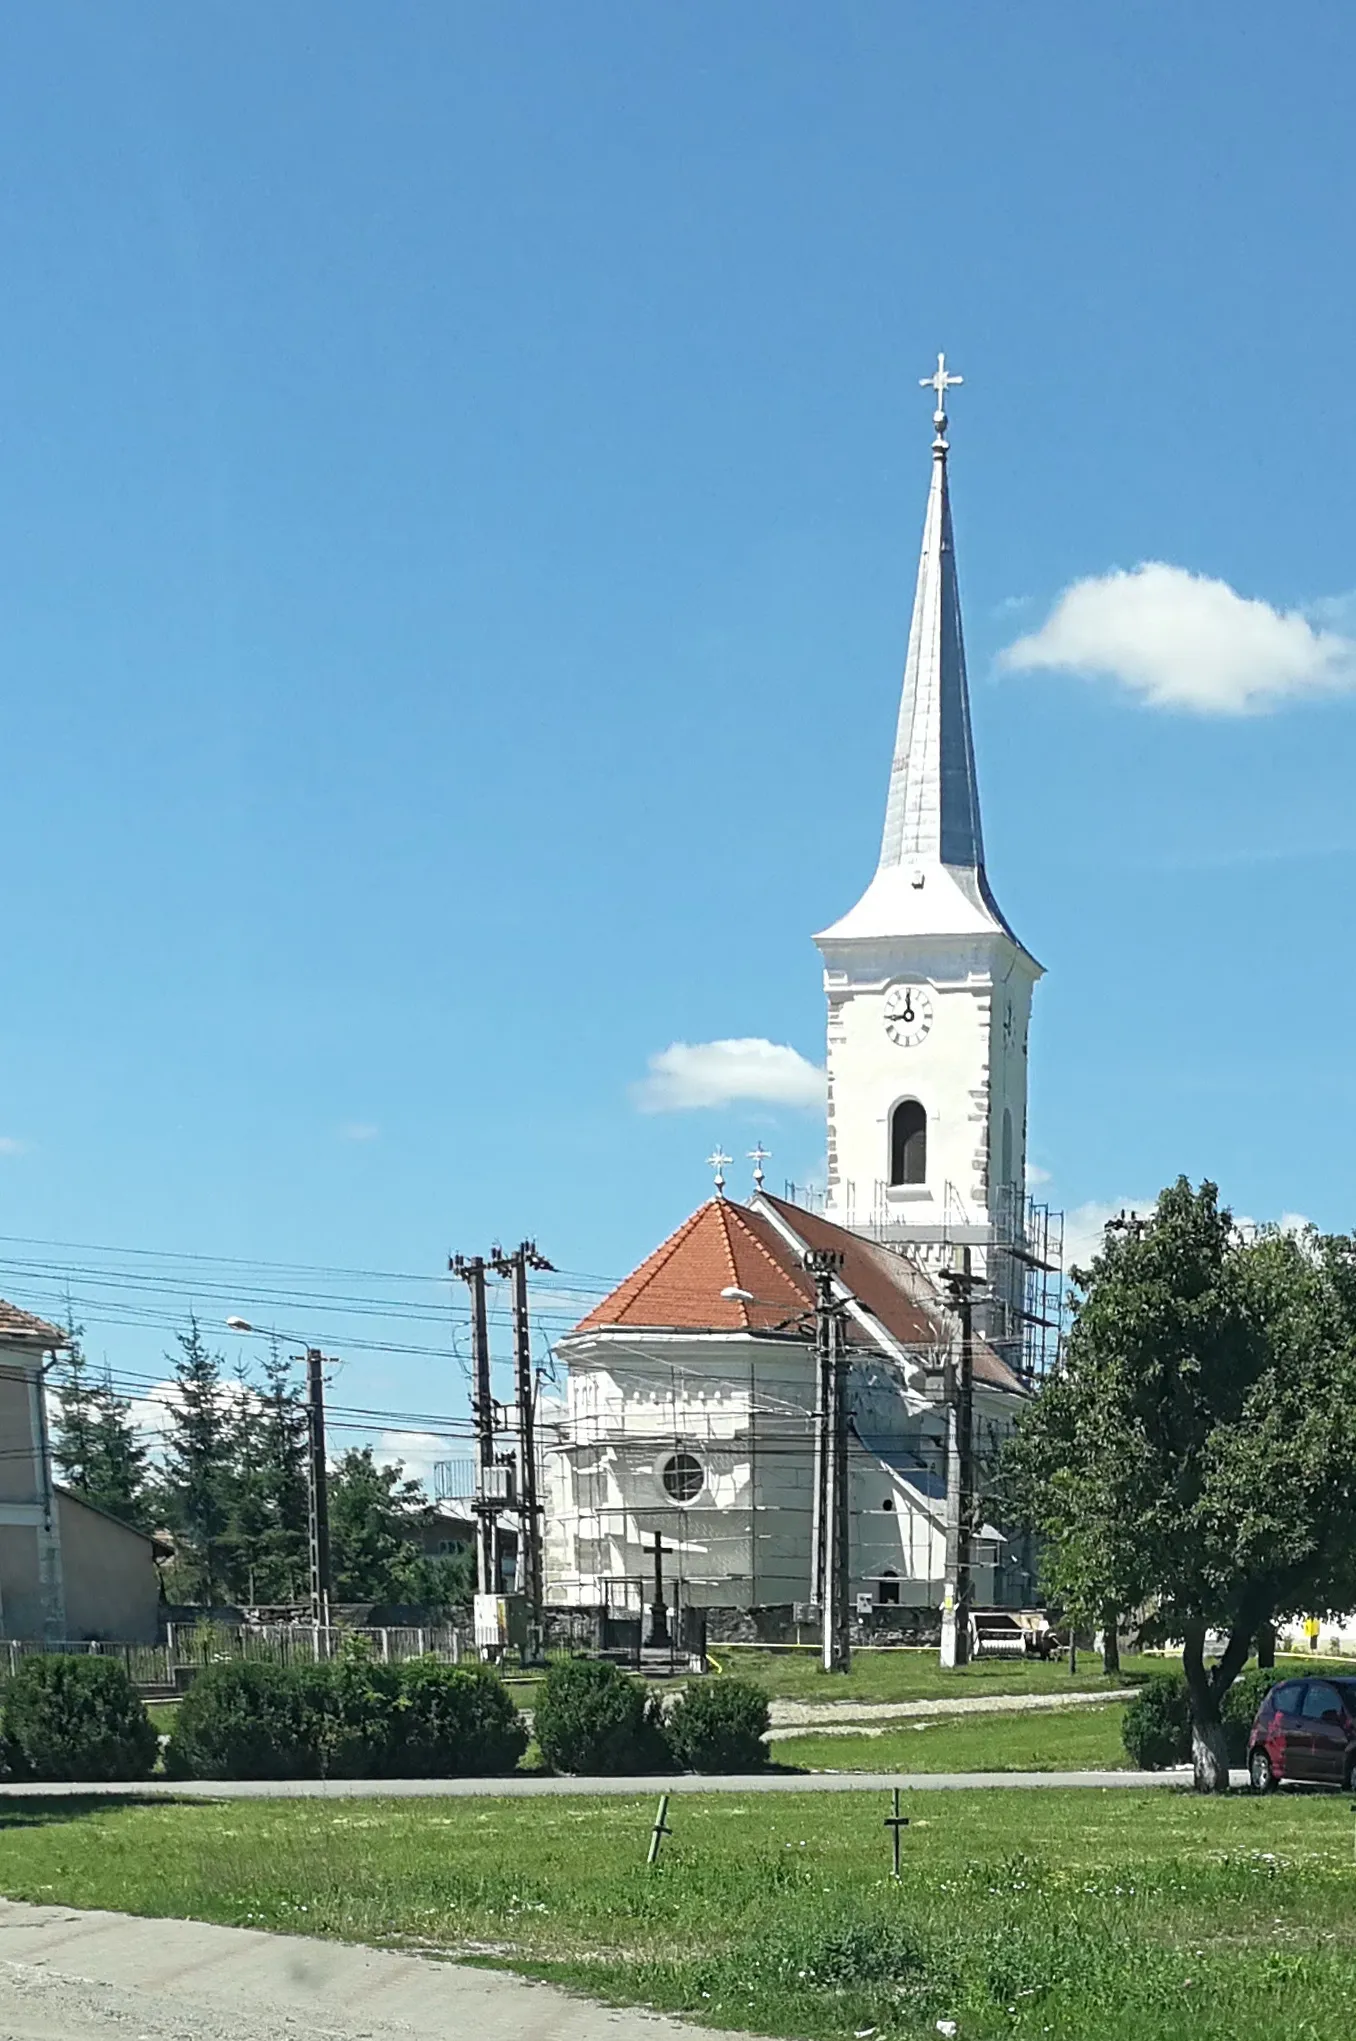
(908, 1014)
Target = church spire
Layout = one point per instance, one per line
(932, 813)
(930, 878)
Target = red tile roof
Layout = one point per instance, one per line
(22, 1325)
(722, 1246)
(760, 1248)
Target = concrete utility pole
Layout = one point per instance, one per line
(471, 1269)
(516, 1267)
(831, 1557)
(960, 1471)
(317, 1488)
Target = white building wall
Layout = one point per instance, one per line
(743, 1407)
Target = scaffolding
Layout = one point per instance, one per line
(1020, 1248)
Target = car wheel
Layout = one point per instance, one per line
(1261, 1771)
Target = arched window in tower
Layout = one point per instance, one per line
(1007, 1146)
(908, 1143)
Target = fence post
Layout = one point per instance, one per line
(422, 1647)
(386, 1647)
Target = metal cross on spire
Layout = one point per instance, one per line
(717, 1161)
(758, 1156)
(941, 380)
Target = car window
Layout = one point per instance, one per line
(1286, 1699)
(1320, 1701)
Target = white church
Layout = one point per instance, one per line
(689, 1416)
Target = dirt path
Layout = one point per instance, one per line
(69, 1976)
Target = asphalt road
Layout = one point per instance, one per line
(68, 1976)
(527, 1787)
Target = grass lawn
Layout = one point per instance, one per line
(1066, 1739)
(1122, 1915)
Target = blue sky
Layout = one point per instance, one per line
(460, 483)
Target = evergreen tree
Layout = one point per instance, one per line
(73, 1434)
(266, 1538)
(200, 1470)
(96, 1445)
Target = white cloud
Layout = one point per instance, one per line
(416, 1452)
(1085, 1226)
(359, 1130)
(1036, 1176)
(1183, 641)
(689, 1075)
(10, 1146)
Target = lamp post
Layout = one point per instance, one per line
(317, 1482)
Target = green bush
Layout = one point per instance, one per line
(1156, 1731)
(358, 1714)
(76, 1718)
(592, 1718)
(717, 1726)
(253, 1720)
(455, 1721)
(350, 1719)
(1241, 1703)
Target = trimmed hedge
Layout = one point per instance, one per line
(717, 1726)
(1156, 1730)
(251, 1720)
(76, 1718)
(349, 1719)
(1157, 1727)
(593, 1718)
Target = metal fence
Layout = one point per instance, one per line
(191, 1646)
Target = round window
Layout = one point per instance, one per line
(682, 1477)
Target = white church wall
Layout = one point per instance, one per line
(743, 1408)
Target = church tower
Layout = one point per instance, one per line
(928, 988)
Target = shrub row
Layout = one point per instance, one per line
(1156, 1730)
(80, 1718)
(590, 1717)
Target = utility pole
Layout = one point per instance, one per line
(471, 1269)
(516, 1267)
(831, 1556)
(317, 1488)
(960, 1471)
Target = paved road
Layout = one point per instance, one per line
(68, 1976)
(526, 1787)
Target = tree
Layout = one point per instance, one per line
(375, 1517)
(1197, 1450)
(199, 1469)
(264, 1543)
(95, 1441)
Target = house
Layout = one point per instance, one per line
(67, 1569)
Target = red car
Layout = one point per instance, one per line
(1305, 1730)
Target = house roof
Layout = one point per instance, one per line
(22, 1325)
(760, 1248)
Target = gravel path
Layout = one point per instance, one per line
(813, 1714)
(68, 1976)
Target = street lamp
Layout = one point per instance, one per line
(317, 1485)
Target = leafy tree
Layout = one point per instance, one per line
(1197, 1451)
(200, 1469)
(375, 1517)
(95, 1441)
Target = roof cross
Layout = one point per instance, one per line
(717, 1161)
(941, 381)
(758, 1156)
